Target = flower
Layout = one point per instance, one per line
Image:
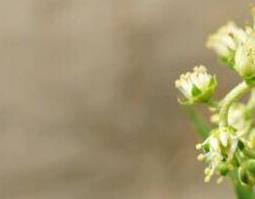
(245, 58)
(196, 86)
(218, 150)
(226, 40)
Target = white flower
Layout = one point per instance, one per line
(245, 58)
(218, 150)
(226, 40)
(197, 86)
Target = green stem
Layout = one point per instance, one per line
(242, 192)
(213, 104)
(231, 97)
(202, 127)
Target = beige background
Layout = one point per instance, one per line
(87, 104)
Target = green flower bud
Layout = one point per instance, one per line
(223, 169)
(250, 166)
(243, 176)
(197, 87)
(225, 41)
(247, 172)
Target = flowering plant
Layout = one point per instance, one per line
(228, 149)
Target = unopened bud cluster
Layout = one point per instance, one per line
(230, 146)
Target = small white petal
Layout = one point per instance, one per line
(224, 138)
(214, 144)
(233, 148)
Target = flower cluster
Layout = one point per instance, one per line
(226, 41)
(219, 150)
(235, 47)
(230, 145)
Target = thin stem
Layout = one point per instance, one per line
(201, 125)
(231, 97)
(213, 104)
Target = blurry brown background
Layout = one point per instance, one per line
(87, 104)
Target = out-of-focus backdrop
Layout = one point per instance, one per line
(87, 103)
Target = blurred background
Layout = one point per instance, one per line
(87, 100)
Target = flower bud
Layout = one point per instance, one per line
(245, 59)
(247, 172)
(197, 86)
(223, 168)
(225, 41)
(243, 176)
(250, 166)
